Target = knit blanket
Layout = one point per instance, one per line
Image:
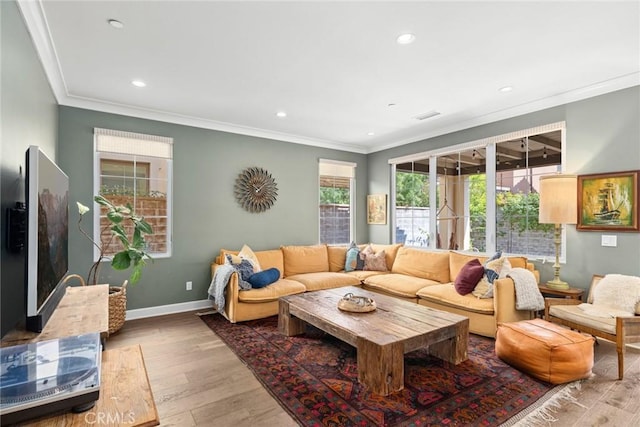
(219, 284)
(528, 296)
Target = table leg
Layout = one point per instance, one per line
(381, 368)
(287, 324)
(454, 349)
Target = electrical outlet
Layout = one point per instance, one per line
(189, 285)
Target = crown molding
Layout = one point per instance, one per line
(601, 88)
(167, 117)
(36, 23)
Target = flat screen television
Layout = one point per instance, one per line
(47, 241)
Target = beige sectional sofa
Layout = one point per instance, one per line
(422, 276)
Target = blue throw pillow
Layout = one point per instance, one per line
(264, 278)
(353, 261)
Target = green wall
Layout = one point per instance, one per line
(28, 116)
(206, 216)
(603, 135)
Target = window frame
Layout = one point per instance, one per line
(490, 146)
(134, 159)
(352, 197)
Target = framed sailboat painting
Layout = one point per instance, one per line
(608, 202)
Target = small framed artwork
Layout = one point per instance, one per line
(608, 202)
(377, 209)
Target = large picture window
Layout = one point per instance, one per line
(479, 196)
(135, 169)
(337, 186)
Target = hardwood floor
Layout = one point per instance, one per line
(197, 380)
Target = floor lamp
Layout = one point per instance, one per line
(558, 205)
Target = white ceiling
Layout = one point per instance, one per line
(334, 67)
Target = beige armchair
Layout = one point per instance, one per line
(621, 330)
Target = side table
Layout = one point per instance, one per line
(573, 293)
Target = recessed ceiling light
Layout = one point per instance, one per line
(506, 89)
(115, 23)
(371, 133)
(405, 38)
(281, 114)
(138, 83)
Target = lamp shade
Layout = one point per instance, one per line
(558, 199)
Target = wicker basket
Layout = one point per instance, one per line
(117, 307)
(117, 303)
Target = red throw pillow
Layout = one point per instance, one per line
(469, 276)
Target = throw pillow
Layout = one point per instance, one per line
(244, 268)
(376, 262)
(247, 253)
(492, 269)
(493, 266)
(264, 278)
(469, 276)
(353, 255)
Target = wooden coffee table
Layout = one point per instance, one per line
(381, 337)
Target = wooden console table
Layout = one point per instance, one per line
(125, 395)
(82, 310)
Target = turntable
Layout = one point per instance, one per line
(49, 376)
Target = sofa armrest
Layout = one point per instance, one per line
(231, 293)
(504, 302)
(548, 302)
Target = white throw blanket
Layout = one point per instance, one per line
(528, 296)
(219, 284)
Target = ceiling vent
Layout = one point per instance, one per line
(427, 115)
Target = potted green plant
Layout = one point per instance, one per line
(132, 255)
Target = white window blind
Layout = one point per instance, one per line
(136, 144)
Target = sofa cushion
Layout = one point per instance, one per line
(362, 274)
(398, 284)
(424, 264)
(573, 313)
(281, 288)
(305, 259)
(337, 257)
(271, 259)
(518, 262)
(469, 277)
(325, 280)
(447, 295)
(458, 260)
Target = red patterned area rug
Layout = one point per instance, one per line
(314, 376)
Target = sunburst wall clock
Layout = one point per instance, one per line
(255, 190)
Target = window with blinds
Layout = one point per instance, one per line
(336, 208)
(136, 169)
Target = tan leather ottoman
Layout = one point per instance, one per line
(545, 351)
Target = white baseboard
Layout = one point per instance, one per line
(141, 313)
